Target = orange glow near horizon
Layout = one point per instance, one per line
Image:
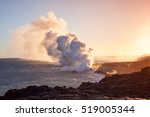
(135, 44)
(143, 42)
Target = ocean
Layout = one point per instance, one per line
(20, 73)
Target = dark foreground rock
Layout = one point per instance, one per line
(127, 86)
(134, 85)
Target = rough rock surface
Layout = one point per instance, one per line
(126, 86)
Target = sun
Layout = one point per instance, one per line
(143, 44)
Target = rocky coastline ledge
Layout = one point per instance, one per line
(126, 86)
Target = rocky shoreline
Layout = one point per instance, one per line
(126, 86)
(123, 67)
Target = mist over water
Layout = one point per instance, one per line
(18, 73)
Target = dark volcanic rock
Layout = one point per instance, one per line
(26, 92)
(126, 86)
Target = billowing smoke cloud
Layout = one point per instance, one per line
(26, 40)
(70, 52)
(47, 38)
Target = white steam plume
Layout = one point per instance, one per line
(26, 40)
(47, 38)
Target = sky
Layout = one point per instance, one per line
(110, 27)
